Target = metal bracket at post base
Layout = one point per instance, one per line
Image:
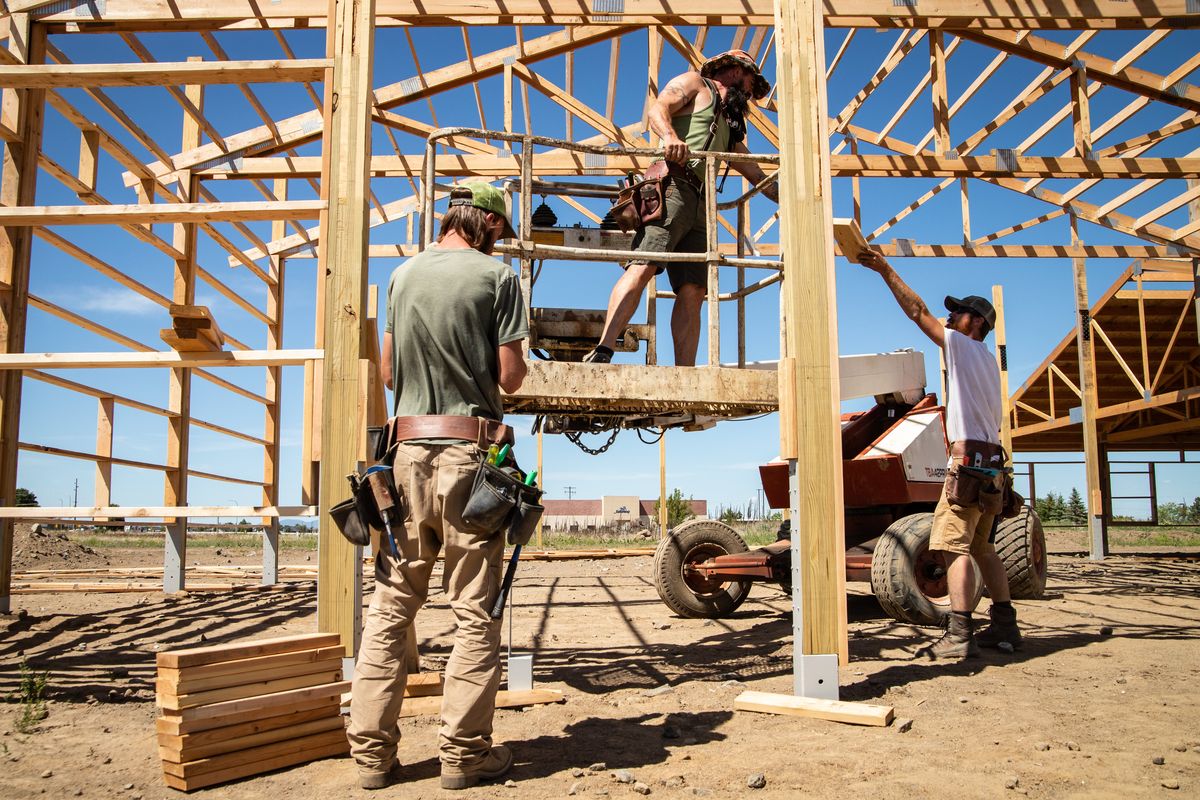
(816, 676)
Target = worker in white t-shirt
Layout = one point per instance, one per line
(973, 492)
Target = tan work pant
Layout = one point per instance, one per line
(436, 480)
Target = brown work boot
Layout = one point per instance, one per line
(1002, 628)
(957, 643)
(380, 780)
(496, 765)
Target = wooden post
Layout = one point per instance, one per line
(179, 394)
(272, 421)
(1098, 548)
(102, 496)
(663, 518)
(937, 82)
(1081, 115)
(818, 526)
(25, 108)
(541, 480)
(343, 266)
(1002, 362)
(714, 277)
(743, 239)
(1193, 208)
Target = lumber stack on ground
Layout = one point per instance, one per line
(231, 711)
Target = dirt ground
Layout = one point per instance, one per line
(1080, 711)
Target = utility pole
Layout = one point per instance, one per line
(570, 490)
(76, 503)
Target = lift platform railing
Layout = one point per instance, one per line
(528, 251)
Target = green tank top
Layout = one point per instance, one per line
(693, 129)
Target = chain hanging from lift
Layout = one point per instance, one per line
(574, 437)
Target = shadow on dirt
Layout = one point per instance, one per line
(110, 656)
(617, 742)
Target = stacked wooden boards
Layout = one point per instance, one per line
(231, 711)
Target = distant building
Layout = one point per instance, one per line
(607, 511)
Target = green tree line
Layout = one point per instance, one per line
(1055, 509)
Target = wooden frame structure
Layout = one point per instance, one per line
(130, 180)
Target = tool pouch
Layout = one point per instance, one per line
(1013, 502)
(643, 201)
(348, 520)
(962, 486)
(526, 515)
(991, 496)
(494, 495)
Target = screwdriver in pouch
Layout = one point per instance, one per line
(383, 491)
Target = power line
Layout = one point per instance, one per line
(570, 490)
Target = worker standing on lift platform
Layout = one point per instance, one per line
(704, 111)
(975, 489)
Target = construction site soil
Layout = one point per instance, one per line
(1098, 703)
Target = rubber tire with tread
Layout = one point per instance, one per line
(894, 578)
(1021, 545)
(698, 540)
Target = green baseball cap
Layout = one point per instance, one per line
(486, 197)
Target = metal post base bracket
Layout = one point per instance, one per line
(816, 676)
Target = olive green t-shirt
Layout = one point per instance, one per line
(448, 310)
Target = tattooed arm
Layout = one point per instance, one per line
(678, 95)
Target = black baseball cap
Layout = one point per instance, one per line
(976, 305)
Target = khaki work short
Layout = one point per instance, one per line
(961, 529)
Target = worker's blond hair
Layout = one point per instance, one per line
(470, 222)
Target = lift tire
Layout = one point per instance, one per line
(908, 579)
(1021, 545)
(692, 542)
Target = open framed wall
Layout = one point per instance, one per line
(240, 171)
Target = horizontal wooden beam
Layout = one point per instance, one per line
(236, 358)
(930, 166)
(38, 216)
(56, 76)
(155, 512)
(1018, 14)
(841, 166)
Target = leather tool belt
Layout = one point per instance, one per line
(686, 174)
(980, 455)
(482, 432)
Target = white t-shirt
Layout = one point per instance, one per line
(973, 383)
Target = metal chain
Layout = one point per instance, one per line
(574, 437)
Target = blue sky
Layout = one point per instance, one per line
(720, 464)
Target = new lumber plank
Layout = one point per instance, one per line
(233, 671)
(424, 684)
(245, 770)
(216, 715)
(835, 710)
(52, 76)
(423, 706)
(239, 358)
(229, 687)
(188, 741)
(250, 211)
(197, 656)
(255, 755)
(188, 735)
(174, 750)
